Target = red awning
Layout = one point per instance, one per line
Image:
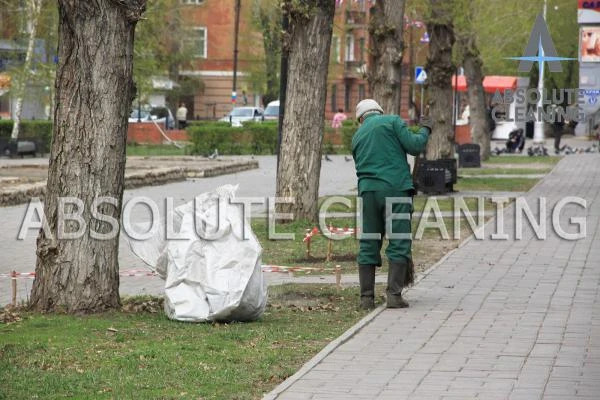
(459, 82)
(490, 83)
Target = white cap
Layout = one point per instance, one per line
(366, 106)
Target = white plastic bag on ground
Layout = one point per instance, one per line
(213, 270)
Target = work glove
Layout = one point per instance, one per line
(426, 122)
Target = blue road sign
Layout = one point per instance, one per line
(420, 75)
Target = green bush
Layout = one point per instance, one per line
(252, 138)
(206, 123)
(39, 130)
(349, 128)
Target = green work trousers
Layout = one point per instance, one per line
(377, 218)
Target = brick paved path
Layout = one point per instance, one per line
(512, 319)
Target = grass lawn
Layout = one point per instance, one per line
(495, 184)
(510, 159)
(503, 171)
(156, 150)
(142, 355)
(427, 249)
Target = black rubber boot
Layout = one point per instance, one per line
(366, 277)
(396, 278)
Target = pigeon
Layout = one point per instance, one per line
(327, 158)
(348, 159)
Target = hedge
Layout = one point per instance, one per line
(349, 128)
(252, 138)
(40, 130)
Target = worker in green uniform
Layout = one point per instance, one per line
(385, 185)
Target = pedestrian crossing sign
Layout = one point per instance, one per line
(420, 75)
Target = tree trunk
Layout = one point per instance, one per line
(386, 30)
(34, 8)
(309, 41)
(269, 21)
(439, 71)
(94, 90)
(477, 105)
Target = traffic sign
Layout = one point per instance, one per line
(420, 75)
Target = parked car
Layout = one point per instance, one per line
(272, 111)
(243, 114)
(161, 115)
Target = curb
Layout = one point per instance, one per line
(310, 364)
(133, 179)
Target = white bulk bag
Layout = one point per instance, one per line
(210, 274)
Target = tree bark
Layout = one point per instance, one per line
(94, 90)
(309, 41)
(34, 8)
(439, 71)
(477, 105)
(386, 28)
(270, 27)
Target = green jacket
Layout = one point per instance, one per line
(379, 148)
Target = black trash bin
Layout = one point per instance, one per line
(469, 155)
(436, 176)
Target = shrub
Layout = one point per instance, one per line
(349, 128)
(38, 130)
(252, 138)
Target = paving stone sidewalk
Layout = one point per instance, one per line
(497, 319)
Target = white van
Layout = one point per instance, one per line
(272, 111)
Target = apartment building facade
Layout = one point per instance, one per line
(211, 27)
(212, 24)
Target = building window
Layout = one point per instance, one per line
(361, 44)
(361, 92)
(192, 1)
(333, 98)
(349, 48)
(198, 42)
(335, 49)
(347, 97)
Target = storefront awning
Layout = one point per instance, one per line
(490, 83)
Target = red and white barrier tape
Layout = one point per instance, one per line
(332, 231)
(31, 275)
(141, 272)
(279, 268)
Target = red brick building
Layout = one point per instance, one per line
(212, 25)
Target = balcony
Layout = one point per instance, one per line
(355, 69)
(356, 19)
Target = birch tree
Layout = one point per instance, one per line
(33, 8)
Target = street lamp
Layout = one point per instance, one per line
(538, 128)
(236, 32)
